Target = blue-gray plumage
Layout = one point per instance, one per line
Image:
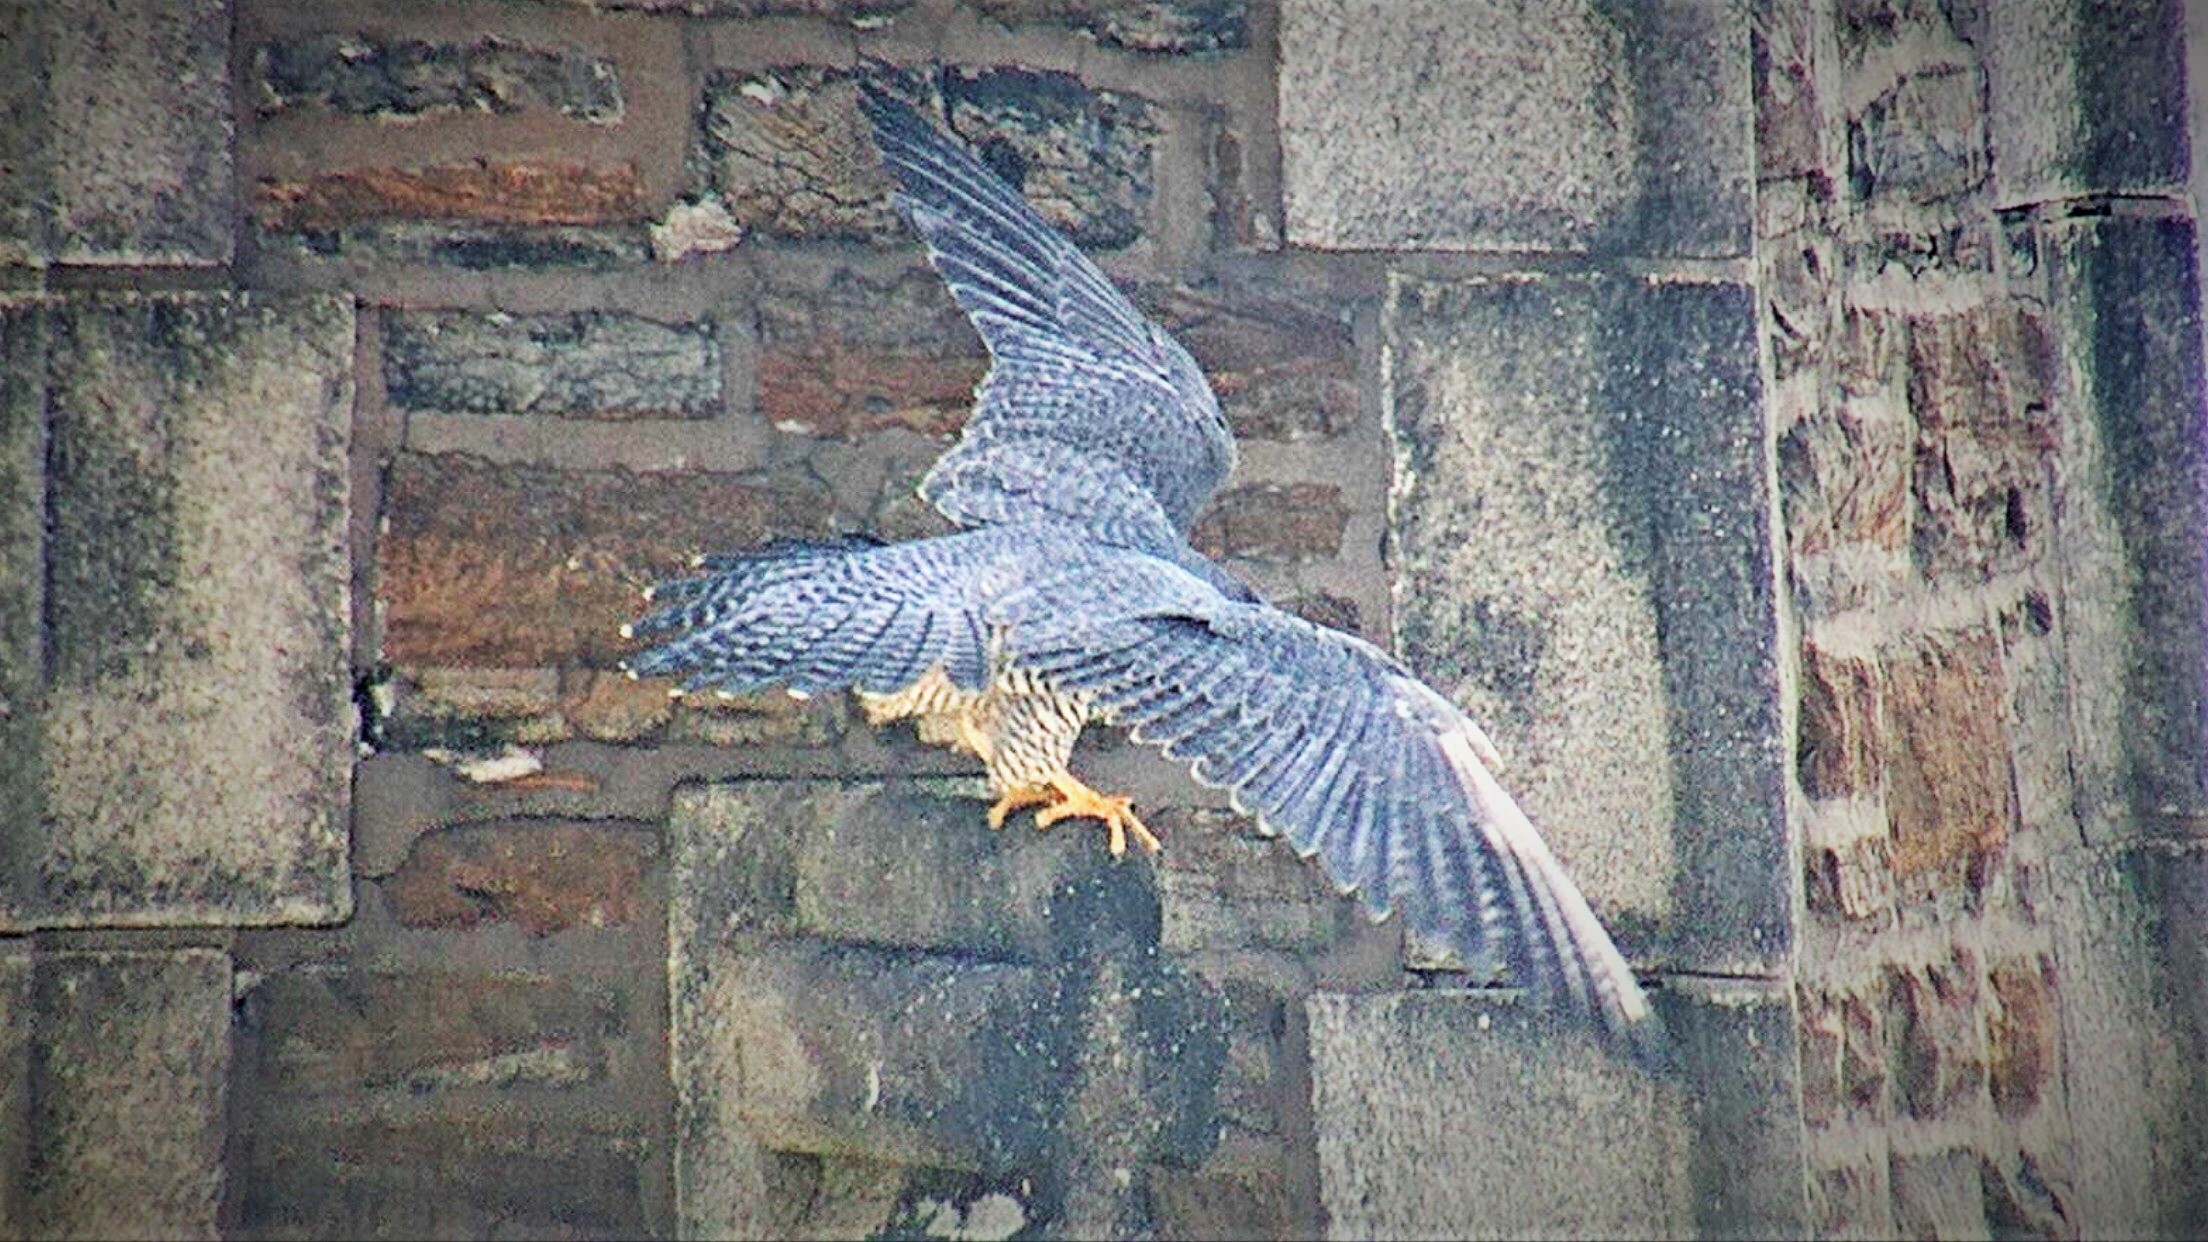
(1071, 594)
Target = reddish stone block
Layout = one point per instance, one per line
(1863, 1073)
(1938, 1054)
(526, 566)
(1950, 796)
(1281, 372)
(1819, 1045)
(1274, 521)
(1853, 880)
(612, 707)
(1844, 479)
(1839, 737)
(2021, 1034)
(1981, 384)
(833, 390)
(542, 877)
(484, 191)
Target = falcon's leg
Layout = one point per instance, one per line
(1078, 800)
(1017, 796)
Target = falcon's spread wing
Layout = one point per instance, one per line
(1336, 747)
(1091, 413)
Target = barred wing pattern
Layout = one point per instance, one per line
(1337, 748)
(1082, 382)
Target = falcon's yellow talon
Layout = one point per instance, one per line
(1077, 800)
(1014, 799)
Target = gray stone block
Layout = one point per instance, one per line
(2086, 98)
(121, 1061)
(189, 742)
(1453, 1115)
(1581, 527)
(600, 364)
(118, 132)
(1517, 125)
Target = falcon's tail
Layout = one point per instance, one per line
(820, 617)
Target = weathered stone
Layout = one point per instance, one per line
(1790, 112)
(612, 707)
(319, 1032)
(1851, 1201)
(2086, 99)
(786, 150)
(1614, 146)
(184, 747)
(1280, 371)
(1845, 479)
(541, 877)
(2021, 1035)
(1493, 1124)
(1939, 1054)
(359, 74)
(466, 247)
(486, 192)
(593, 363)
(1839, 737)
(2023, 1199)
(1221, 886)
(1922, 141)
(1938, 1196)
(845, 354)
(769, 718)
(1852, 877)
(1274, 522)
(117, 133)
(523, 566)
(1171, 27)
(1573, 481)
(1980, 385)
(852, 11)
(125, 1112)
(1950, 795)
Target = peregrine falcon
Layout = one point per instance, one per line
(1070, 593)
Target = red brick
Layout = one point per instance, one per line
(483, 191)
(525, 566)
(1950, 796)
(2021, 1035)
(542, 877)
(1838, 737)
(1274, 521)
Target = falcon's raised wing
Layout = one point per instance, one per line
(1090, 413)
(1336, 747)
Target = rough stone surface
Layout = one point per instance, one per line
(787, 152)
(190, 742)
(1950, 793)
(1474, 1101)
(482, 192)
(1221, 886)
(1281, 371)
(1173, 27)
(844, 354)
(126, 1058)
(118, 142)
(2086, 99)
(1397, 132)
(521, 566)
(592, 364)
(540, 877)
(1840, 725)
(359, 74)
(1563, 495)
(1273, 521)
(816, 1012)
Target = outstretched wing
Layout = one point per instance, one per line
(1336, 747)
(1090, 413)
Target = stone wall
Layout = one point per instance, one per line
(1781, 424)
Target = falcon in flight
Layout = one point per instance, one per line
(1070, 594)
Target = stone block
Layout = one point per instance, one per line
(1221, 886)
(597, 364)
(1273, 522)
(786, 150)
(1938, 1196)
(1171, 28)
(1579, 519)
(119, 133)
(2130, 1073)
(2021, 1035)
(517, 566)
(1840, 731)
(1440, 1114)
(183, 754)
(547, 191)
(541, 877)
(1400, 131)
(1950, 785)
(1922, 140)
(834, 998)
(1281, 371)
(362, 74)
(121, 1061)
(846, 353)
(2086, 98)
(1932, 1020)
